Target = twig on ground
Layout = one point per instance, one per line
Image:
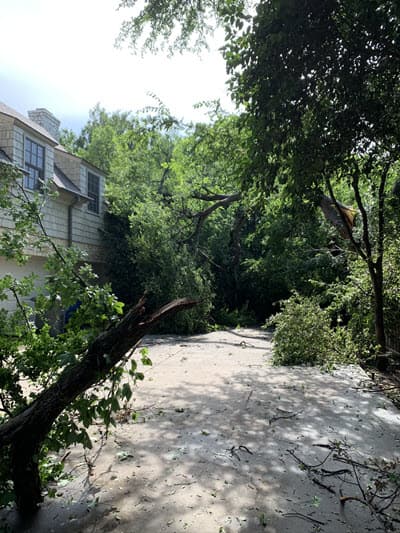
(379, 490)
(283, 417)
(248, 397)
(240, 447)
(320, 484)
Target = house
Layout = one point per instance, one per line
(74, 216)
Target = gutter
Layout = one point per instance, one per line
(70, 208)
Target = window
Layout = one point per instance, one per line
(93, 193)
(34, 164)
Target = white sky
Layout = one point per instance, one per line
(60, 54)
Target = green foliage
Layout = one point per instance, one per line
(304, 336)
(35, 344)
(319, 86)
(158, 188)
(188, 23)
(323, 107)
(153, 263)
(315, 90)
(289, 249)
(144, 241)
(166, 233)
(234, 319)
(350, 301)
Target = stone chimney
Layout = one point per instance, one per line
(47, 120)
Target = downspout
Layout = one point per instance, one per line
(70, 208)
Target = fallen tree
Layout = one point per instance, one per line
(58, 375)
(25, 432)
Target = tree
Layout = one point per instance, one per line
(145, 252)
(48, 382)
(188, 22)
(166, 193)
(320, 82)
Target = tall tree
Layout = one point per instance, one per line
(321, 85)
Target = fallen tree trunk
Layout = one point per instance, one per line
(25, 432)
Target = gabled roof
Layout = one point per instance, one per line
(63, 182)
(26, 122)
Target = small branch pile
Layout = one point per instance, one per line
(375, 483)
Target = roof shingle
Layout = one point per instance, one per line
(27, 122)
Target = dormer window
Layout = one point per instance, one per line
(93, 193)
(34, 164)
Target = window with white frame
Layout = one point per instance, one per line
(34, 164)
(93, 193)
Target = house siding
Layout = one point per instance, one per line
(85, 224)
(55, 218)
(34, 266)
(70, 165)
(7, 136)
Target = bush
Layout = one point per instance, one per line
(303, 335)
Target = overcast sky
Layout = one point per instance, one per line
(60, 54)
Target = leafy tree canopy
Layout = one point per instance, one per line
(180, 24)
(320, 85)
(320, 81)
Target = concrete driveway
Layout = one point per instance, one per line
(218, 444)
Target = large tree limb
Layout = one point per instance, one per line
(221, 201)
(214, 197)
(347, 224)
(26, 431)
(100, 357)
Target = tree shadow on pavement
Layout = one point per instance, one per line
(209, 452)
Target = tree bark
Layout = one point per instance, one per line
(379, 319)
(26, 432)
(25, 474)
(375, 267)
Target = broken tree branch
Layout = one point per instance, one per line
(26, 431)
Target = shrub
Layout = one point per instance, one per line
(304, 336)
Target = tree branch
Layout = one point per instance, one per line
(201, 216)
(100, 357)
(213, 197)
(345, 221)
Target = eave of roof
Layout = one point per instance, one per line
(12, 113)
(62, 181)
